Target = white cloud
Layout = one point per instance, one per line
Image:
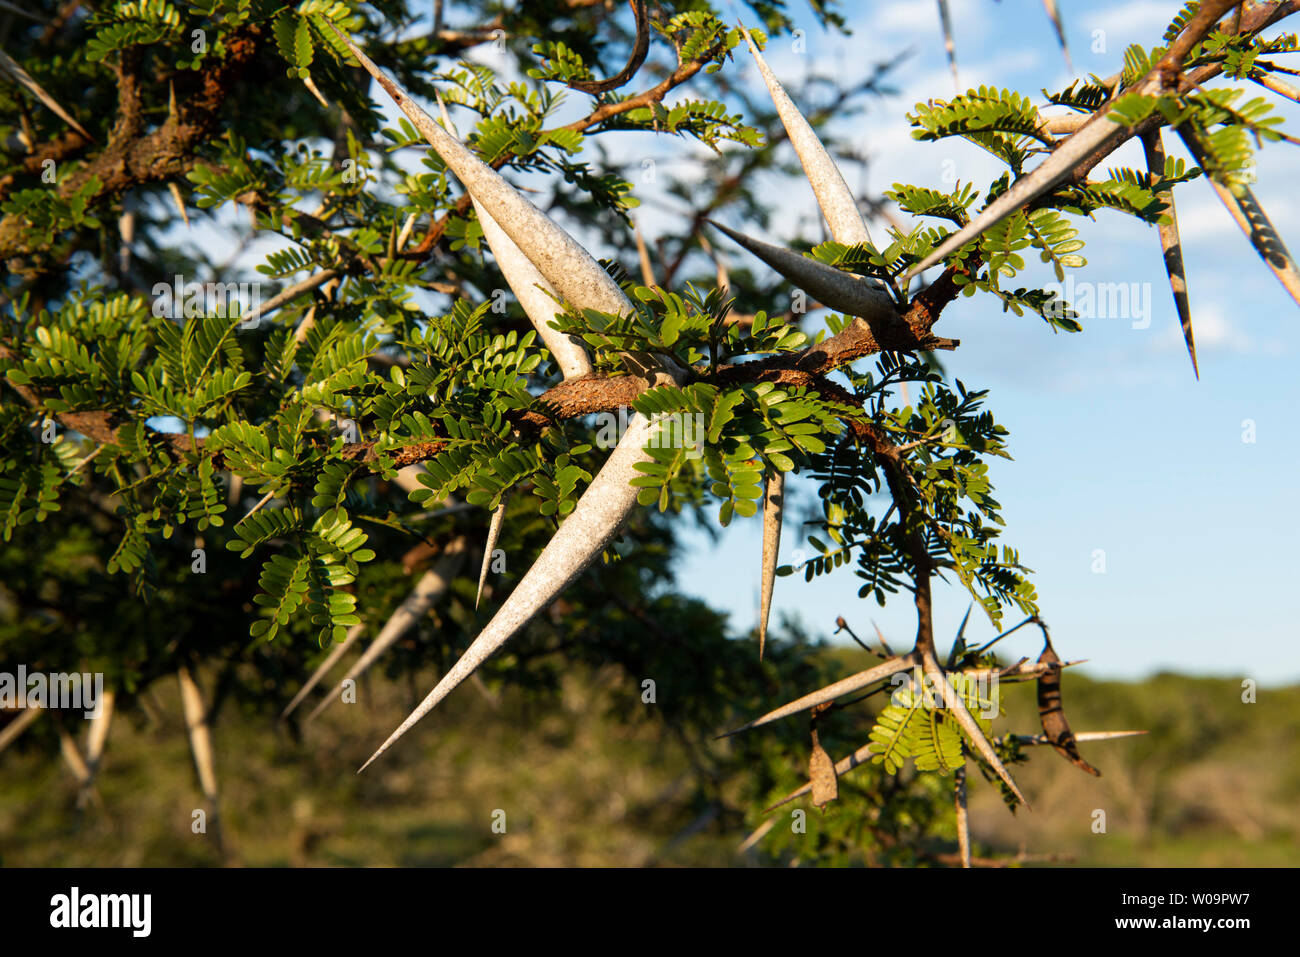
(1134, 22)
(1211, 328)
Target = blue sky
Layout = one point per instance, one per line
(1117, 446)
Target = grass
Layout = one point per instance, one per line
(1216, 784)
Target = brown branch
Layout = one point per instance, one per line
(639, 51)
(133, 158)
(656, 93)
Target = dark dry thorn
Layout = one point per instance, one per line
(1171, 246)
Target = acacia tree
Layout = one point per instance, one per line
(392, 388)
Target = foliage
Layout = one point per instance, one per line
(152, 426)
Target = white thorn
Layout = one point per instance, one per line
(535, 296)
(832, 691)
(337, 652)
(17, 726)
(837, 290)
(494, 533)
(568, 267)
(773, 509)
(24, 79)
(179, 200)
(433, 584)
(957, 708)
(196, 725)
(837, 202)
(580, 540)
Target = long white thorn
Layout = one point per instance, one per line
(719, 262)
(536, 296)
(1054, 14)
(179, 200)
(838, 290)
(773, 509)
(200, 735)
(580, 540)
(17, 726)
(74, 760)
(945, 21)
(315, 91)
(834, 197)
(97, 734)
(337, 652)
(581, 281)
(428, 590)
(643, 257)
(24, 79)
(957, 708)
(756, 835)
(494, 533)
(569, 268)
(1031, 739)
(404, 236)
(199, 732)
(1093, 135)
(832, 691)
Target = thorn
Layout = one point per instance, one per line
(179, 200)
(963, 819)
(1250, 216)
(310, 84)
(832, 691)
(9, 734)
(838, 290)
(719, 262)
(1094, 134)
(1054, 13)
(405, 235)
(1171, 246)
(643, 254)
(952, 700)
(262, 501)
(494, 532)
(945, 20)
(562, 261)
(993, 641)
(580, 540)
(959, 643)
(338, 651)
(837, 203)
(535, 295)
(24, 79)
(773, 510)
(880, 637)
(756, 835)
